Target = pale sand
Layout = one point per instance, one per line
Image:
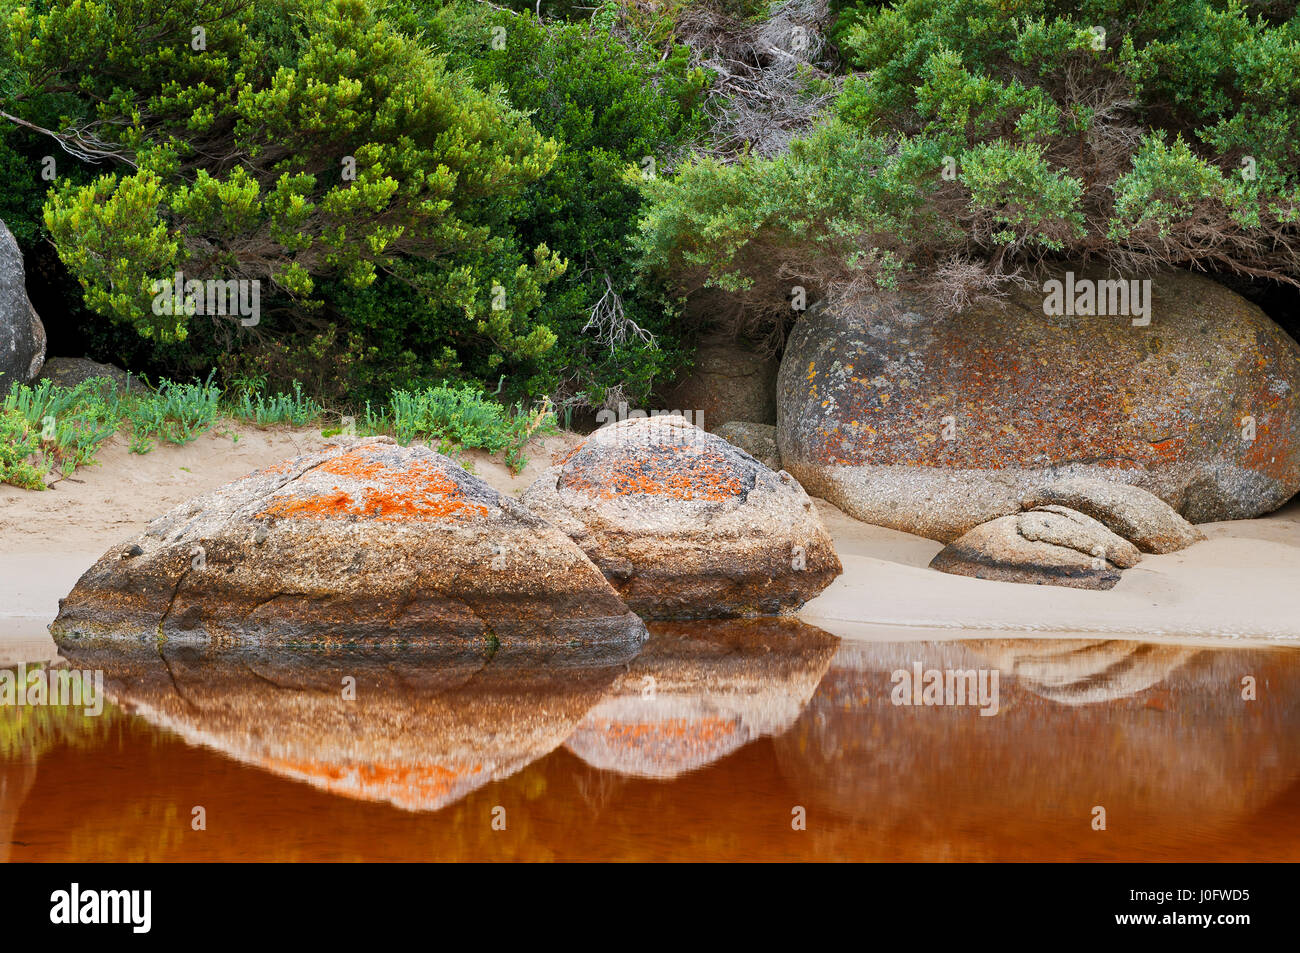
(1241, 583)
(1244, 582)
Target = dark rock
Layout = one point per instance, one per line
(71, 371)
(757, 440)
(22, 336)
(727, 383)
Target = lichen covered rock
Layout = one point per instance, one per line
(933, 424)
(684, 525)
(363, 540)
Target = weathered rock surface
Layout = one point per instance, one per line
(933, 425)
(684, 525)
(1140, 517)
(22, 336)
(1053, 545)
(363, 540)
(70, 371)
(1062, 526)
(727, 383)
(757, 440)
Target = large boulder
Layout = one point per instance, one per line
(728, 382)
(360, 541)
(71, 371)
(22, 336)
(684, 525)
(757, 440)
(1140, 517)
(934, 424)
(1053, 546)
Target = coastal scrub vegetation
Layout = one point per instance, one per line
(972, 139)
(547, 206)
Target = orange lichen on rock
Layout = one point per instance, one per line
(354, 464)
(662, 471)
(317, 506)
(705, 730)
(418, 491)
(427, 782)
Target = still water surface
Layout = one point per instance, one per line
(707, 743)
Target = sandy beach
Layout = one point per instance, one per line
(1240, 584)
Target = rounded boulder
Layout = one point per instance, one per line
(685, 525)
(934, 424)
(362, 541)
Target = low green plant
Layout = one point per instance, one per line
(175, 412)
(47, 426)
(465, 417)
(266, 410)
(68, 423)
(22, 461)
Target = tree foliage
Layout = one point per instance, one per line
(418, 198)
(974, 138)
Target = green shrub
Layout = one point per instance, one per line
(462, 416)
(22, 462)
(488, 221)
(608, 107)
(305, 142)
(977, 137)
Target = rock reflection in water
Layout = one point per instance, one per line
(1158, 735)
(746, 721)
(427, 724)
(699, 691)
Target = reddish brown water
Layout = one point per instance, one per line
(704, 745)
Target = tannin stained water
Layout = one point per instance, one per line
(707, 743)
